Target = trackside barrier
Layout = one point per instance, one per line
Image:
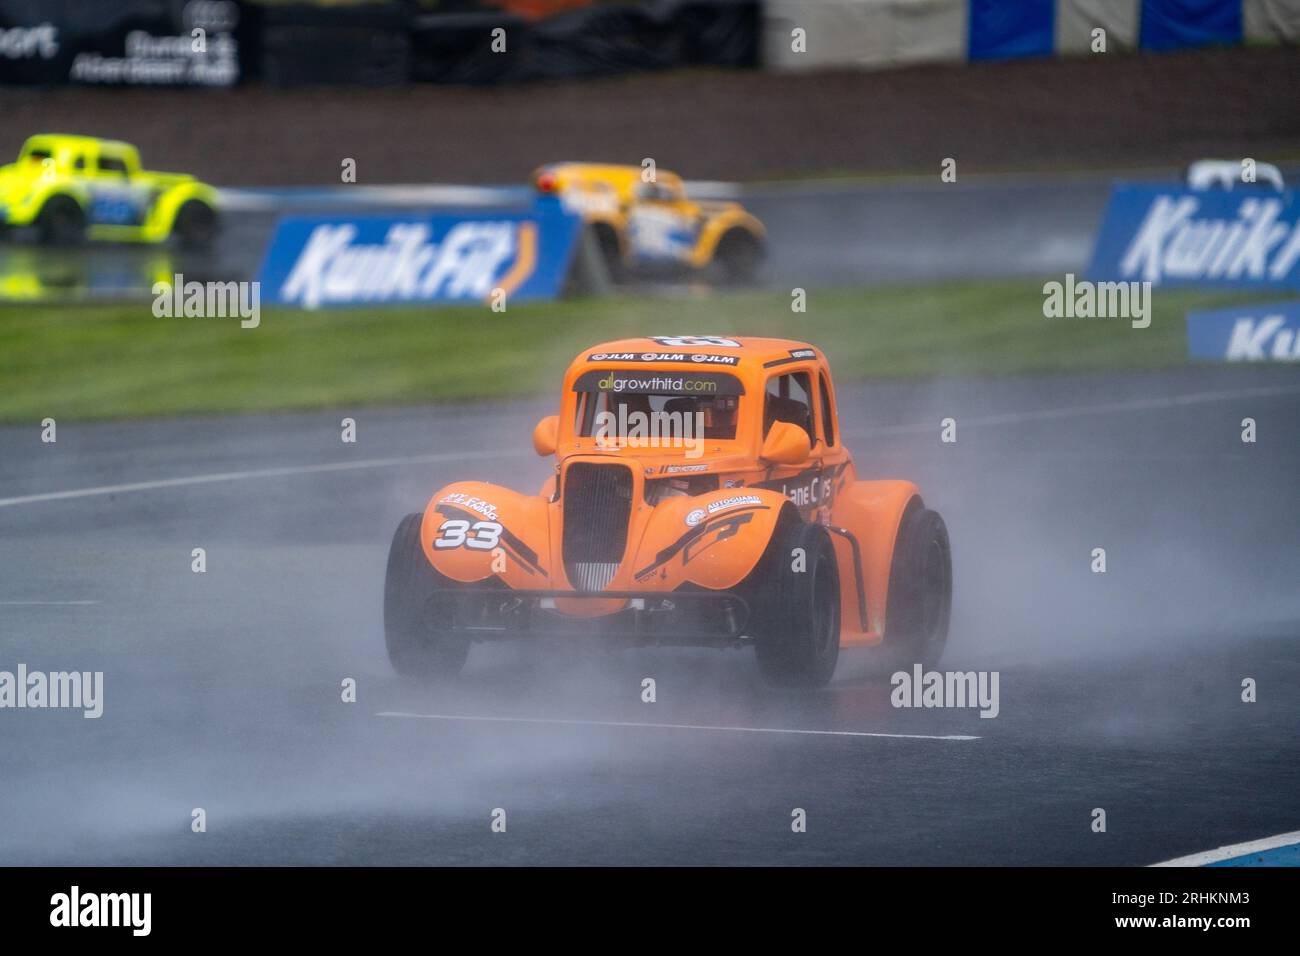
(481, 256)
(1172, 236)
(876, 34)
(1246, 333)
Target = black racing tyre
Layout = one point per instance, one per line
(195, 225)
(920, 593)
(738, 256)
(611, 252)
(795, 607)
(61, 221)
(411, 609)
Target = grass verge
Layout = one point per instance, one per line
(88, 362)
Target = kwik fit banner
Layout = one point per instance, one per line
(1168, 236)
(1246, 333)
(358, 260)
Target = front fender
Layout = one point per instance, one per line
(473, 531)
(712, 540)
(717, 225)
(25, 209)
(162, 216)
(872, 511)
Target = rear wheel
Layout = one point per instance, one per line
(920, 593)
(195, 225)
(795, 607)
(411, 610)
(61, 221)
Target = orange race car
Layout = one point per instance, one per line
(701, 495)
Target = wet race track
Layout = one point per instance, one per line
(819, 233)
(1119, 691)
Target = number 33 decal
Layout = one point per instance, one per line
(454, 532)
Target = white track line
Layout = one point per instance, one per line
(1079, 411)
(623, 723)
(246, 475)
(45, 603)
(1042, 414)
(1234, 851)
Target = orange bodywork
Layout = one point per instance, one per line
(613, 195)
(711, 540)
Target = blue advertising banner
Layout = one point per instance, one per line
(1246, 333)
(998, 30)
(362, 260)
(1169, 235)
(1174, 24)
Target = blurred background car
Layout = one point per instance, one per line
(644, 222)
(74, 187)
(1232, 174)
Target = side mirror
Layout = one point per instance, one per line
(786, 444)
(546, 436)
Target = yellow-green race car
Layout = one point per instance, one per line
(75, 187)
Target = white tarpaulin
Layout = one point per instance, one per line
(863, 34)
(1077, 19)
(1271, 20)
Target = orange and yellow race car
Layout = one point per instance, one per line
(649, 226)
(701, 495)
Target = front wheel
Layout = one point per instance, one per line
(61, 222)
(412, 609)
(195, 226)
(796, 607)
(611, 250)
(920, 593)
(738, 256)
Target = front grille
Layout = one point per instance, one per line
(591, 575)
(597, 504)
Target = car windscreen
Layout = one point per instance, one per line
(631, 404)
